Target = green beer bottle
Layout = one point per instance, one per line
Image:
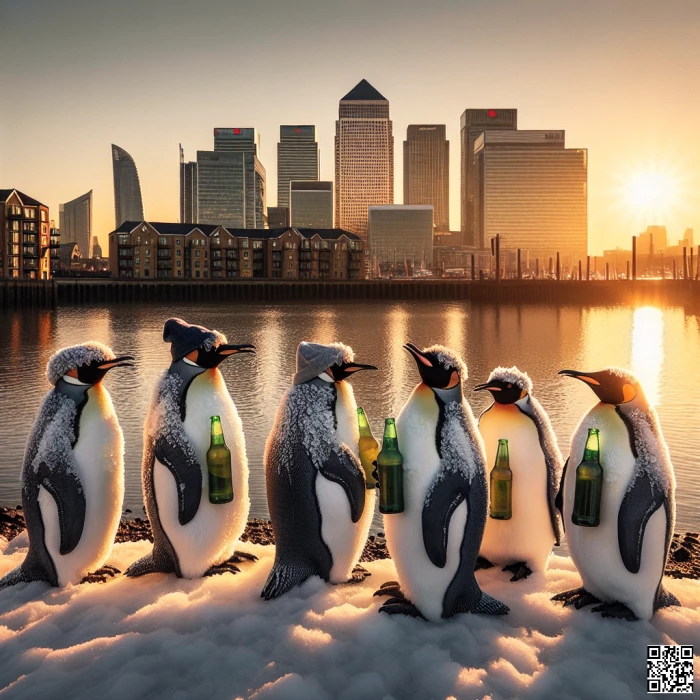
(390, 470)
(369, 447)
(219, 465)
(502, 485)
(589, 484)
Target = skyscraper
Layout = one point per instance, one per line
(426, 170)
(364, 157)
(128, 205)
(401, 237)
(472, 124)
(75, 222)
(533, 192)
(188, 190)
(311, 204)
(231, 181)
(297, 158)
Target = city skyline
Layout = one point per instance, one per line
(630, 125)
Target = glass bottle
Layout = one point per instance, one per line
(501, 502)
(219, 465)
(390, 470)
(369, 447)
(589, 484)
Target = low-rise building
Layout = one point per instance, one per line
(142, 249)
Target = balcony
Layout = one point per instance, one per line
(232, 265)
(165, 265)
(305, 255)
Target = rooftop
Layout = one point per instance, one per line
(26, 199)
(363, 92)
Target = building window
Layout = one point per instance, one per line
(146, 273)
(179, 273)
(177, 241)
(257, 245)
(29, 213)
(179, 263)
(243, 243)
(137, 261)
(162, 241)
(245, 254)
(196, 253)
(43, 215)
(178, 253)
(290, 274)
(196, 274)
(148, 252)
(196, 264)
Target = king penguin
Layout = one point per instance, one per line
(320, 507)
(73, 472)
(523, 543)
(191, 536)
(622, 560)
(435, 542)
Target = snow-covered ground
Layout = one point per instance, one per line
(160, 637)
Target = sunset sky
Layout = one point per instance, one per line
(620, 77)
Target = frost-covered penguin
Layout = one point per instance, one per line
(320, 508)
(523, 543)
(191, 536)
(622, 560)
(435, 542)
(73, 472)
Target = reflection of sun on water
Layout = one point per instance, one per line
(648, 349)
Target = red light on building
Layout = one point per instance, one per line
(216, 132)
(298, 131)
(492, 113)
(237, 132)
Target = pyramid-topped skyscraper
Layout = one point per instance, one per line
(364, 157)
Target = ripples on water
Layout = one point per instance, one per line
(661, 346)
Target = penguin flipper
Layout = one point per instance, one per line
(642, 500)
(342, 468)
(182, 464)
(559, 499)
(446, 493)
(64, 485)
(285, 575)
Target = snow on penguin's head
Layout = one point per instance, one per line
(438, 366)
(507, 385)
(613, 385)
(86, 363)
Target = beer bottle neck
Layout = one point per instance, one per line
(592, 451)
(502, 456)
(365, 430)
(217, 433)
(391, 440)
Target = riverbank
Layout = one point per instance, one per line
(683, 561)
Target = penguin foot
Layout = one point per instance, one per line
(520, 570)
(400, 606)
(578, 597)
(239, 557)
(225, 567)
(359, 574)
(101, 575)
(391, 588)
(617, 610)
(482, 563)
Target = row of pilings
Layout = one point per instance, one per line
(29, 294)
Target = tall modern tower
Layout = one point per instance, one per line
(472, 124)
(75, 222)
(364, 157)
(297, 158)
(128, 205)
(231, 181)
(188, 190)
(426, 170)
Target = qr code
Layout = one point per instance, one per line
(669, 668)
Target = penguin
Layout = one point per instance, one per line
(320, 506)
(522, 544)
(73, 472)
(191, 536)
(435, 542)
(622, 560)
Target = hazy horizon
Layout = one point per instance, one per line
(78, 76)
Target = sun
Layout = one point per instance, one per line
(651, 194)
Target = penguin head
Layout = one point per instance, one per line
(85, 364)
(332, 363)
(507, 385)
(342, 370)
(438, 366)
(612, 385)
(198, 346)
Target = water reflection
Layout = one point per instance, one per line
(648, 350)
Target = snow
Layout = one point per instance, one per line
(449, 360)
(163, 637)
(55, 446)
(69, 358)
(512, 375)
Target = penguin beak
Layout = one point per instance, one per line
(582, 376)
(122, 361)
(418, 354)
(345, 370)
(489, 386)
(227, 350)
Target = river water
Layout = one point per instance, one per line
(662, 345)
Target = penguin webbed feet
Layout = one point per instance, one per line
(390, 588)
(578, 597)
(101, 575)
(239, 557)
(359, 574)
(482, 563)
(619, 611)
(225, 567)
(487, 605)
(520, 570)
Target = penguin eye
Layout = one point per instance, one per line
(509, 386)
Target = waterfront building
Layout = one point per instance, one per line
(69, 257)
(311, 204)
(96, 248)
(426, 170)
(143, 249)
(188, 190)
(277, 217)
(473, 123)
(25, 241)
(75, 221)
(127, 188)
(297, 158)
(401, 237)
(231, 181)
(532, 190)
(653, 240)
(364, 157)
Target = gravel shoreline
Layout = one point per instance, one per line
(683, 560)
